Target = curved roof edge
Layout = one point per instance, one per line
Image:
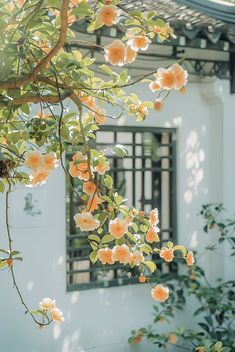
(212, 8)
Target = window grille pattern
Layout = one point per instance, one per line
(147, 178)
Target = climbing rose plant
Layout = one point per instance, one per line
(39, 65)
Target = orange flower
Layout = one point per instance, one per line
(154, 86)
(121, 254)
(33, 159)
(100, 117)
(142, 110)
(86, 222)
(115, 53)
(181, 76)
(130, 55)
(118, 227)
(167, 254)
(89, 188)
(152, 234)
(50, 161)
(139, 42)
(137, 339)
(78, 167)
(108, 15)
(158, 104)
(42, 115)
(21, 2)
(142, 278)
(93, 203)
(105, 255)
(153, 217)
(77, 2)
(87, 100)
(71, 19)
(136, 258)
(172, 339)
(160, 293)
(39, 177)
(9, 262)
(190, 258)
(102, 167)
(166, 78)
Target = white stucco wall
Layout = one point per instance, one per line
(101, 319)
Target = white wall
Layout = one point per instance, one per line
(105, 317)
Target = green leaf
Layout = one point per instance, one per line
(94, 256)
(94, 238)
(145, 248)
(150, 265)
(120, 151)
(107, 238)
(106, 69)
(2, 187)
(108, 181)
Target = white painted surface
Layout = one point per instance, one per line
(100, 320)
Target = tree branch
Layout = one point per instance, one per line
(37, 99)
(9, 84)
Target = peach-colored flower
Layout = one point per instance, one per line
(142, 110)
(139, 42)
(166, 78)
(158, 104)
(86, 222)
(154, 86)
(44, 45)
(47, 304)
(121, 254)
(100, 116)
(42, 115)
(89, 188)
(78, 167)
(136, 258)
(142, 279)
(50, 161)
(130, 55)
(21, 2)
(160, 293)
(181, 76)
(153, 217)
(152, 234)
(93, 203)
(118, 227)
(57, 316)
(172, 339)
(190, 258)
(71, 19)
(167, 254)
(137, 339)
(33, 159)
(77, 2)
(87, 100)
(115, 53)
(108, 15)
(102, 167)
(39, 177)
(105, 255)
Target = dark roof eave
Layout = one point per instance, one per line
(220, 11)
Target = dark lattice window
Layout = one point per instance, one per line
(147, 178)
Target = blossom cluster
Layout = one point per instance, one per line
(41, 164)
(48, 307)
